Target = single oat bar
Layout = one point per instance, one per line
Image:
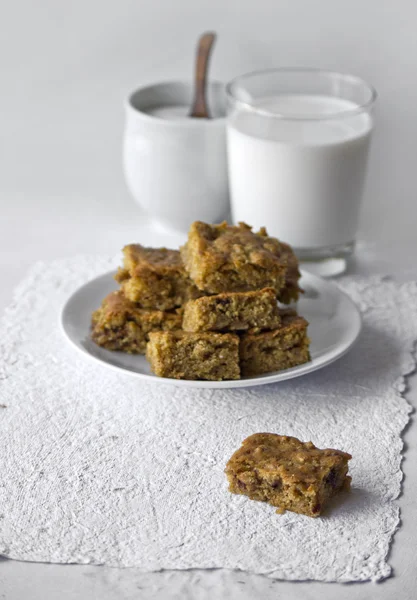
(155, 278)
(235, 311)
(225, 258)
(276, 350)
(270, 359)
(287, 473)
(120, 325)
(183, 355)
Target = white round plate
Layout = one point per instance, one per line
(335, 324)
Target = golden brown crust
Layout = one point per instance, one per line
(226, 258)
(120, 324)
(183, 355)
(233, 311)
(161, 260)
(287, 473)
(155, 278)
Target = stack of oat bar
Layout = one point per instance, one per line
(209, 312)
(153, 287)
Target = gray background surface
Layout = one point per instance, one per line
(66, 69)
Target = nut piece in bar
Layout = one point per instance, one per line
(183, 355)
(155, 278)
(287, 473)
(276, 350)
(120, 325)
(225, 258)
(234, 311)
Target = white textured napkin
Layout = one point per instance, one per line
(97, 467)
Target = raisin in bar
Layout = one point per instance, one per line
(183, 355)
(276, 350)
(224, 258)
(120, 325)
(287, 473)
(234, 311)
(155, 278)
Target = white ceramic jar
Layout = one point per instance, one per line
(176, 166)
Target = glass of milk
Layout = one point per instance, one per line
(176, 166)
(298, 143)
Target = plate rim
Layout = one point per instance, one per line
(276, 377)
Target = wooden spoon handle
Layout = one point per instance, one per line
(199, 107)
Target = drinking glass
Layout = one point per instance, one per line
(298, 143)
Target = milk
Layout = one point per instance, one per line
(176, 112)
(303, 179)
